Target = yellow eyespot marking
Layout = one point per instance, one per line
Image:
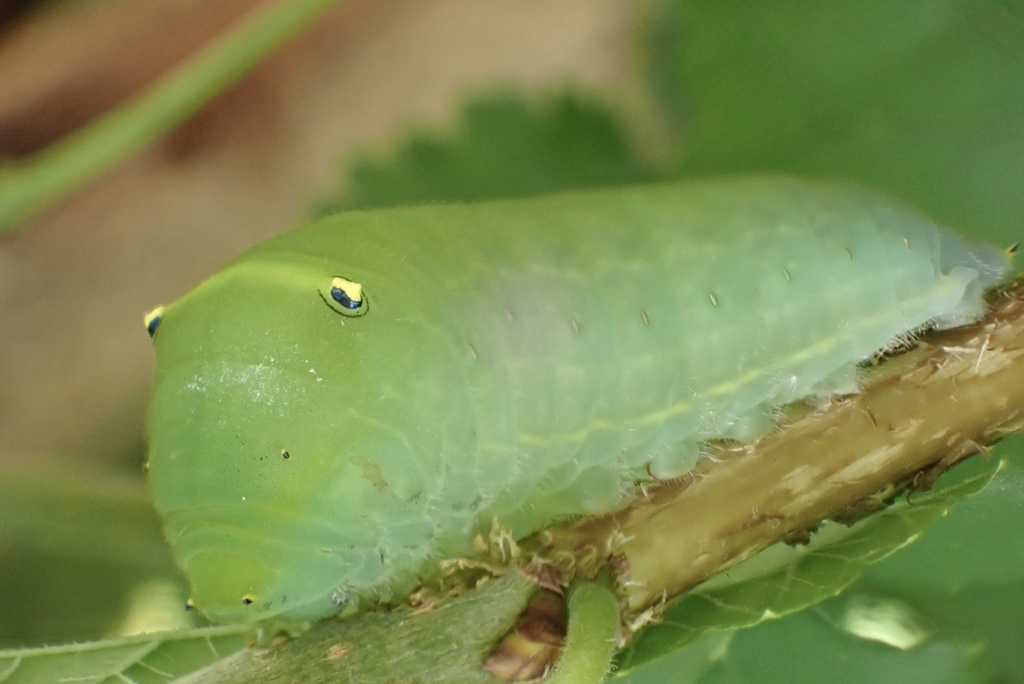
(248, 600)
(353, 289)
(1012, 249)
(152, 320)
(344, 296)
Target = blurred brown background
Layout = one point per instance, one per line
(75, 363)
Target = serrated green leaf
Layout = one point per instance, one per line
(500, 147)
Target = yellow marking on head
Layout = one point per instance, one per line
(353, 289)
(152, 320)
(153, 315)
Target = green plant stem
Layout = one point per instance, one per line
(593, 629)
(28, 186)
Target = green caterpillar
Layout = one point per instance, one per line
(346, 404)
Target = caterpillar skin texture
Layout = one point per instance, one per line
(315, 445)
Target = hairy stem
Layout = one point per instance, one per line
(959, 391)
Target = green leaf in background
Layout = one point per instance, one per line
(977, 599)
(501, 147)
(444, 642)
(783, 579)
(924, 100)
(805, 648)
(966, 614)
(140, 660)
(82, 556)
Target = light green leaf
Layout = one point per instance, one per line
(443, 643)
(78, 550)
(785, 579)
(805, 648)
(149, 659)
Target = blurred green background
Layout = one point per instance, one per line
(400, 101)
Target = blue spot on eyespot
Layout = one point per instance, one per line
(153, 319)
(340, 296)
(345, 296)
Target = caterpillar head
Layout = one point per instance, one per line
(297, 438)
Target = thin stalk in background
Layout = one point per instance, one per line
(29, 186)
